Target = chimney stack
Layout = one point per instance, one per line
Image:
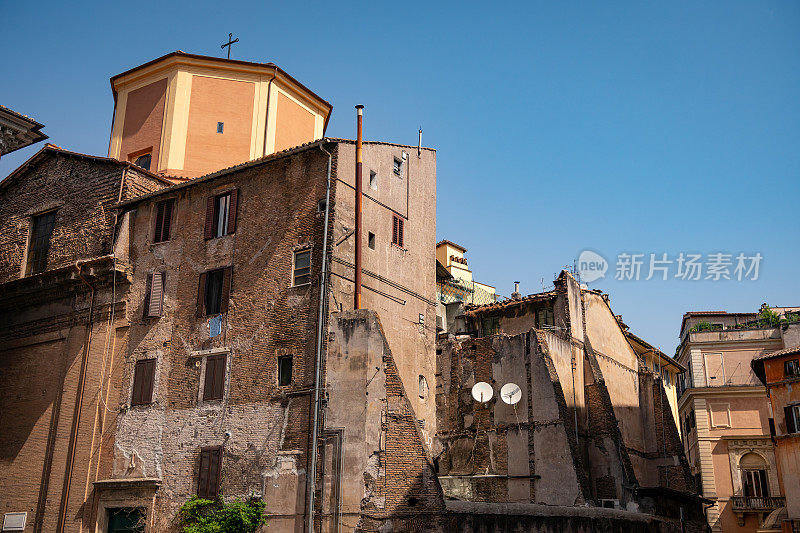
(359, 164)
(516, 295)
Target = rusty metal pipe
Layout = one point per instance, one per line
(359, 179)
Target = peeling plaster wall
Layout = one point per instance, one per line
(406, 288)
(495, 439)
(385, 469)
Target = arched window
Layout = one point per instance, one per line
(754, 476)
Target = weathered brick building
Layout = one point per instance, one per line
(166, 337)
(63, 285)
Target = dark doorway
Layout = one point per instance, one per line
(126, 520)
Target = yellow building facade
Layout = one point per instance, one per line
(187, 115)
(461, 286)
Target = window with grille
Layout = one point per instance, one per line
(208, 477)
(397, 231)
(42, 231)
(214, 384)
(301, 273)
(143, 379)
(221, 214)
(163, 220)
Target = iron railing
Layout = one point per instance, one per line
(458, 290)
(757, 503)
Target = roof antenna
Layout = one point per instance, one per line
(419, 143)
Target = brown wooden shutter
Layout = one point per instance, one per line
(143, 378)
(166, 225)
(214, 385)
(158, 227)
(209, 477)
(148, 289)
(155, 300)
(209, 230)
(787, 413)
(400, 223)
(394, 229)
(232, 211)
(201, 295)
(226, 289)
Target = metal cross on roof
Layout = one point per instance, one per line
(229, 43)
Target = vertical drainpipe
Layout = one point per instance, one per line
(323, 300)
(359, 169)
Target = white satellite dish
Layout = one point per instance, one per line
(510, 393)
(482, 392)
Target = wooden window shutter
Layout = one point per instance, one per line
(787, 413)
(214, 385)
(226, 289)
(208, 478)
(167, 224)
(394, 229)
(143, 378)
(209, 229)
(201, 295)
(155, 297)
(232, 211)
(400, 223)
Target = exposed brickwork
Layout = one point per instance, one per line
(59, 340)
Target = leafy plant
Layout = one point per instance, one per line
(199, 515)
(704, 326)
(768, 317)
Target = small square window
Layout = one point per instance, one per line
(301, 274)
(220, 127)
(373, 180)
(285, 370)
(371, 240)
(398, 166)
(321, 205)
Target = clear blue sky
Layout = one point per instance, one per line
(634, 126)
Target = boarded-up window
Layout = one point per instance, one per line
(221, 214)
(214, 385)
(143, 378)
(715, 371)
(720, 414)
(163, 222)
(154, 295)
(214, 292)
(302, 267)
(42, 230)
(397, 231)
(209, 477)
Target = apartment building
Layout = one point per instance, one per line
(726, 416)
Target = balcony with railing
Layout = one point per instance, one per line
(757, 504)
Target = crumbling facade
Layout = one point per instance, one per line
(591, 427)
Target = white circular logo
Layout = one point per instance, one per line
(591, 266)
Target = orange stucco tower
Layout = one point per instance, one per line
(186, 115)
